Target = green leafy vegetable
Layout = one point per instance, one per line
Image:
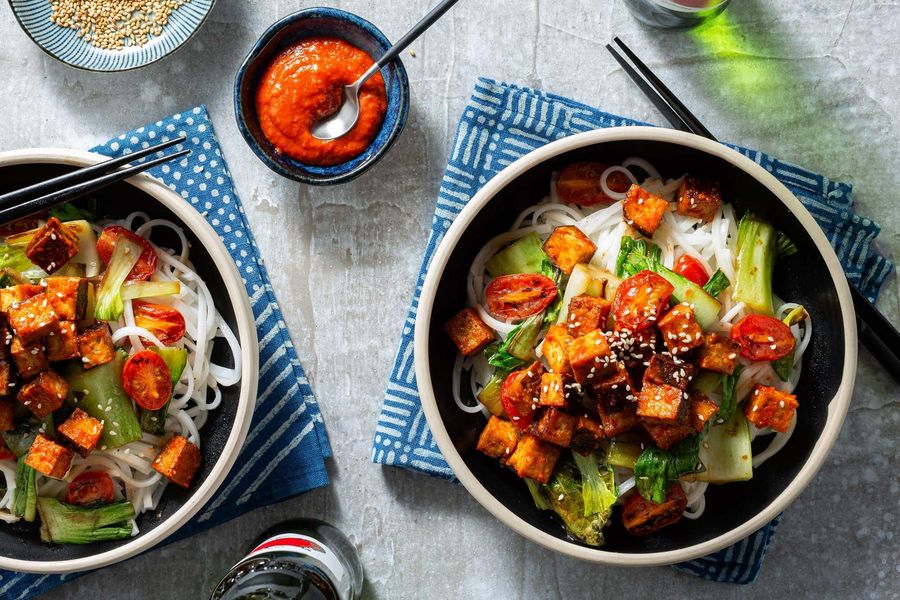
(784, 246)
(623, 454)
(525, 255)
(656, 469)
(537, 495)
(598, 486)
(756, 254)
(717, 284)
(19, 440)
(501, 359)
(489, 395)
(784, 365)
(25, 495)
(110, 304)
(729, 395)
(70, 212)
(548, 269)
(565, 495)
(154, 421)
(145, 289)
(521, 341)
(66, 524)
(13, 257)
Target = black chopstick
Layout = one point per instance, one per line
(875, 331)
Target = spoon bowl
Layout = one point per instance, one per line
(341, 122)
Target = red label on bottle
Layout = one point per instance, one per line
(294, 541)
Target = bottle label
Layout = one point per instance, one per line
(304, 546)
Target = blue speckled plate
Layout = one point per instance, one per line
(64, 45)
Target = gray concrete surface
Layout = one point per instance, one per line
(813, 81)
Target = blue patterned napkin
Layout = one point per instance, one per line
(287, 445)
(501, 123)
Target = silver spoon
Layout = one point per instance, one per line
(342, 121)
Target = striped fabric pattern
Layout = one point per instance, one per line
(286, 447)
(501, 123)
(65, 45)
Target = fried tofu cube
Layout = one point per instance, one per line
(62, 344)
(534, 458)
(30, 359)
(95, 346)
(68, 297)
(699, 198)
(17, 293)
(552, 390)
(587, 313)
(49, 458)
(555, 348)
(469, 332)
(591, 357)
(52, 246)
(80, 432)
(666, 370)
(617, 423)
(33, 319)
(178, 461)
(770, 407)
(587, 435)
(666, 436)
(44, 394)
(719, 354)
(556, 427)
(660, 403)
(614, 392)
(680, 330)
(6, 381)
(568, 246)
(498, 439)
(523, 387)
(643, 210)
(7, 420)
(702, 410)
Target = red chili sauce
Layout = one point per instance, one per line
(304, 84)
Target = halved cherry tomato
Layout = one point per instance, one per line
(519, 296)
(763, 338)
(642, 517)
(579, 183)
(518, 395)
(147, 380)
(165, 322)
(693, 269)
(640, 300)
(5, 453)
(91, 487)
(106, 243)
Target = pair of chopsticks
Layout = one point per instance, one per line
(52, 192)
(875, 331)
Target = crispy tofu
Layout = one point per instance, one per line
(30, 359)
(567, 246)
(587, 435)
(96, 346)
(666, 370)
(62, 343)
(702, 410)
(49, 458)
(680, 330)
(523, 387)
(33, 319)
(68, 297)
(699, 198)
(44, 394)
(719, 354)
(469, 332)
(17, 293)
(634, 349)
(662, 404)
(498, 438)
(666, 436)
(552, 390)
(178, 461)
(617, 423)
(80, 432)
(614, 392)
(52, 246)
(770, 407)
(587, 313)
(590, 357)
(534, 458)
(6, 380)
(7, 420)
(555, 427)
(555, 349)
(643, 210)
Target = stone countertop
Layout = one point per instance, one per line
(811, 81)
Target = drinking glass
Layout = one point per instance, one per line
(672, 14)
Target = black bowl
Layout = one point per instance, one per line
(221, 436)
(812, 277)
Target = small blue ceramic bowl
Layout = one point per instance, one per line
(313, 22)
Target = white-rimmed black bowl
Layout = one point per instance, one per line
(812, 277)
(221, 438)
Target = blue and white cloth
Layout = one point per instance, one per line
(286, 447)
(503, 122)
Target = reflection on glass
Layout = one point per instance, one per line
(675, 13)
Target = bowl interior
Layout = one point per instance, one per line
(316, 22)
(801, 278)
(21, 540)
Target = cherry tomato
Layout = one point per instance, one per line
(691, 268)
(165, 322)
(519, 296)
(518, 393)
(579, 183)
(91, 487)
(643, 517)
(640, 300)
(106, 243)
(763, 338)
(5, 453)
(147, 380)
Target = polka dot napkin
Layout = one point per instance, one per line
(285, 451)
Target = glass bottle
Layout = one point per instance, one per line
(675, 13)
